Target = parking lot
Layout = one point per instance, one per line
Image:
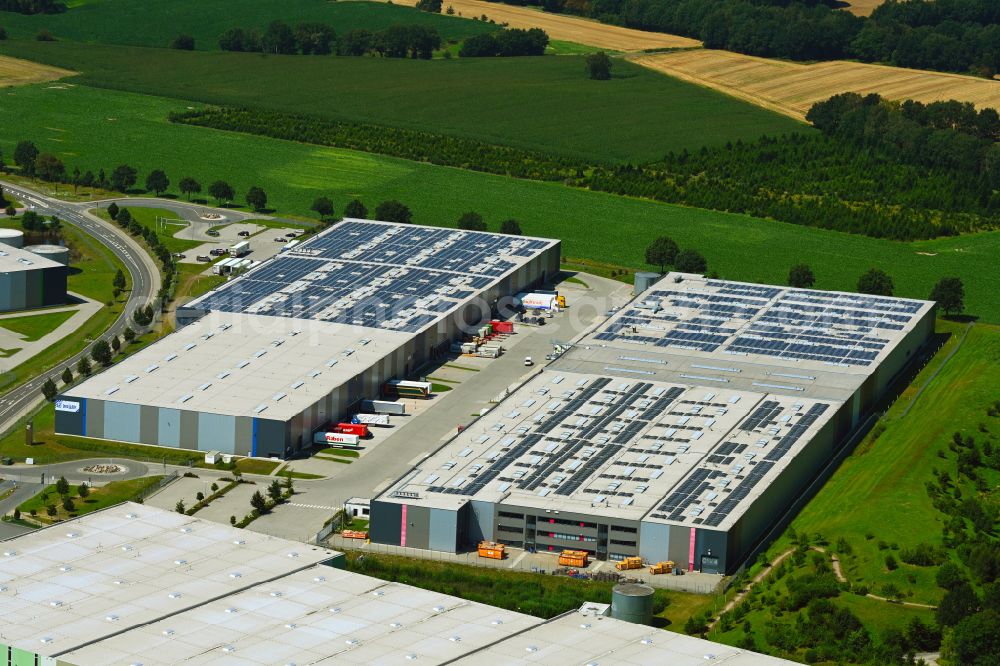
(429, 423)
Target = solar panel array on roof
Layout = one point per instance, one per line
(795, 324)
(375, 275)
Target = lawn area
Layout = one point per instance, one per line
(34, 327)
(100, 128)
(143, 23)
(112, 493)
(542, 103)
(291, 474)
(147, 217)
(889, 508)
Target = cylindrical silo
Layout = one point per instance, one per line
(632, 602)
(12, 237)
(56, 253)
(644, 281)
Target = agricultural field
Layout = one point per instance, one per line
(567, 28)
(546, 103)
(862, 7)
(99, 129)
(157, 23)
(792, 88)
(16, 72)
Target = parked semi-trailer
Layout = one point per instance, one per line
(240, 249)
(337, 438)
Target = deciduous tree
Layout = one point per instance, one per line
(256, 198)
(356, 209)
(876, 282)
(801, 276)
(661, 252)
(49, 389)
(393, 211)
(949, 292)
(471, 221)
(599, 66)
(510, 227)
(157, 182)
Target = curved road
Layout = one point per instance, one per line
(144, 273)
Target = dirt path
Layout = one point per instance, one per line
(837, 571)
(792, 88)
(567, 28)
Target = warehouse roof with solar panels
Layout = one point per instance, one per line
(285, 334)
(682, 408)
(376, 274)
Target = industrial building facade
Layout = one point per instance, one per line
(682, 429)
(272, 356)
(29, 280)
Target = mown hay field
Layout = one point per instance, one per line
(566, 28)
(792, 88)
(16, 72)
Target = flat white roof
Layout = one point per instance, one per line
(15, 260)
(105, 589)
(82, 580)
(620, 447)
(578, 638)
(243, 365)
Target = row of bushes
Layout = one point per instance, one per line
(397, 41)
(812, 180)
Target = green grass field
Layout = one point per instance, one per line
(545, 103)
(156, 23)
(147, 217)
(34, 327)
(879, 490)
(107, 495)
(96, 128)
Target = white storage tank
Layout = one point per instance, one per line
(56, 253)
(12, 237)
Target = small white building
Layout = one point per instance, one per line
(358, 507)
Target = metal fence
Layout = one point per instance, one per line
(148, 491)
(531, 563)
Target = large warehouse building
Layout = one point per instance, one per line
(682, 429)
(138, 585)
(276, 354)
(29, 280)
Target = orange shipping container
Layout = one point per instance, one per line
(573, 558)
(354, 534)
(493, 551)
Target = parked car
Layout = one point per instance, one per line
(291, 234)
(212, 232)
(245, 234)
(202, 257)
(280, 239)
(178, 255)
(217, 252)
(528, 361)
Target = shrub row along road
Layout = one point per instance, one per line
(144, 273)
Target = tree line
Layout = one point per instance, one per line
(32, 6)
(506, 42)
(838, 179)
(949, 35)
(397, 41)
